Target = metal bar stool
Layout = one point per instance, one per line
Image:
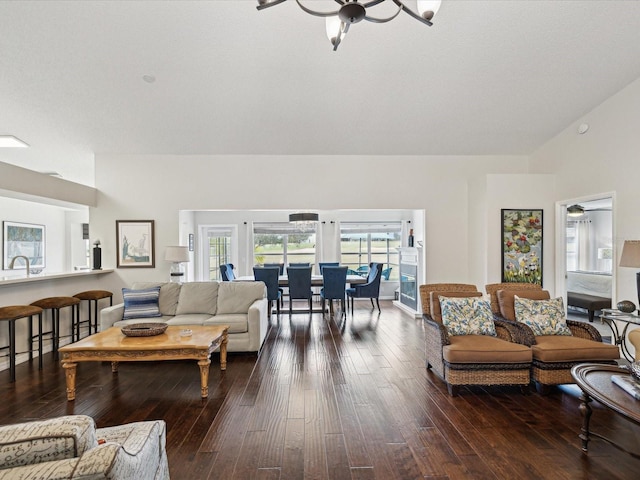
(55, 304)
(92, 296)
(11, 314)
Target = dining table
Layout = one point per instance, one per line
(316, 281)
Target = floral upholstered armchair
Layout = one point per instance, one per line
(71, 447)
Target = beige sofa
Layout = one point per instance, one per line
(241, 305)
(71, 447)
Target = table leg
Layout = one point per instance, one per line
(585, 411)
(70, 374)
(114, 367)
(223, 351)
(204, 377)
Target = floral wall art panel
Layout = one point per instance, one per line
(522, 246)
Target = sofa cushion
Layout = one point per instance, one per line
(558, 348)
(484, 349)
(189, 319)
(237, 297)
(544, 317)
(436, 312)
(467, 316)
(506, 300)
(46, 440)
(198, 297)
(238, 322)
(141, 303)
(169, 293)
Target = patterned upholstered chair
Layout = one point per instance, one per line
(554, 355)
(71, 447)
(471, 359)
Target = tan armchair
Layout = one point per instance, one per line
(471, 359)
(71, 447)
(555, 355)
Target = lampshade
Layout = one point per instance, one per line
(428, 8)
(303, 217)
(575, 211)
(176, 254)
(630, 254)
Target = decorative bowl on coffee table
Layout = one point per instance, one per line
(144, 329)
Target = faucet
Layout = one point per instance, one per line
(13, 260)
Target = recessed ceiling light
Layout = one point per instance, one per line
(149, 78)
(9, 141)
(582, 129)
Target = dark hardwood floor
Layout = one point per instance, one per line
(327, 400)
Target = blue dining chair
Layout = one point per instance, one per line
(281, 268)
(369, 290)
(226, 271)
(334, 282)
(321, 265)
(279, 265)
(299, 285)
(301, 264)
(270, 276)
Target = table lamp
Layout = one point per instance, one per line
(631, 258)
(176, 255)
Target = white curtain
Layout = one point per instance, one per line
(404, 234)
(336, 241)
(250, 247)
(319, 247)
(583, 232)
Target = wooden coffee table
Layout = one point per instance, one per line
(595, 382)
(112, 345)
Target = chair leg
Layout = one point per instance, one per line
(378, 303)
(310, 305)
(372, 305)
(39, 340)
(12, 349)
(278, 306)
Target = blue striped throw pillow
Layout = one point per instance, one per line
(141, 303)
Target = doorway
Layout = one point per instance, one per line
(588, 253)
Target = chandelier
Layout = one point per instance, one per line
(304, 222)
(352, 11)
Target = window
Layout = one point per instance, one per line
(363, 243)
(282, 243)
(218, 245)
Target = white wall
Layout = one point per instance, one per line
(488, 196)
(605, 159)
(157, 187)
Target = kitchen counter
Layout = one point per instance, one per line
(22, 276)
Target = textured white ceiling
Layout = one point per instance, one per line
(490, 77)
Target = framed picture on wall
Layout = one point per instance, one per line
(23, 240)
(135, 243)
(522, 246)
